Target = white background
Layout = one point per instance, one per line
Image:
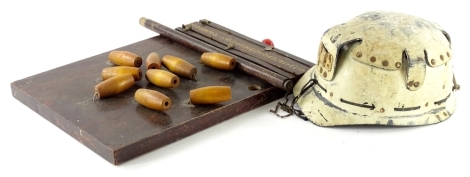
(36, 36)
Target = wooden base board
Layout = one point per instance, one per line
(118, 128)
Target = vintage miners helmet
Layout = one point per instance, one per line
(380, 68)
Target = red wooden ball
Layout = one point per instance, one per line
(268, 42)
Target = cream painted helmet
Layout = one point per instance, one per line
(380, 68)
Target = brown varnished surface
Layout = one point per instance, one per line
(243, 45)
(247, 67)
(118, 128)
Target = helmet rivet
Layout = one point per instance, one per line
(426, 104)
(410, 84)
(372, 59)
(442, 57)
(438, 116)
(331, 94)
(444, 86)
(321, 69)
(359, 54)
(382, 110)
(398, 65)
(445, 114)
(324, 74)
(385, 63)
(448, 54)
(416, 84)
(433, 62)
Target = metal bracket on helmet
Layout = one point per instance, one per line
(415, 70)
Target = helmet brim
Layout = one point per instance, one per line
(324, 113)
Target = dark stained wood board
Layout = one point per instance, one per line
(118, 128)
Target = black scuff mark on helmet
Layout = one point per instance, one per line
(327, 103)
(406, 30)
(322, 116)
(372, 16)
(420, 23)
(386, 25)
(334, 38)
(392, 32)
(431, 112)
(371, 107)
(356, 114)
(442, 100)
(407, 108)
(322, 88)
